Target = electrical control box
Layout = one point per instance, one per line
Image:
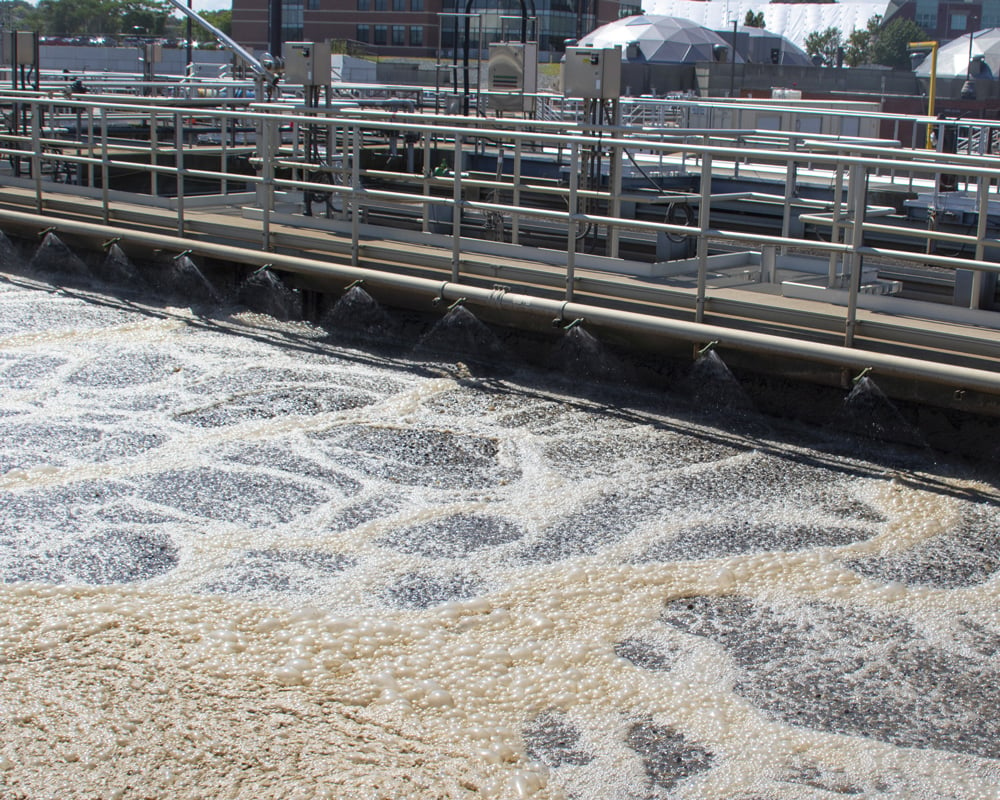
(24, 45)
(512, 73)
(152, 52)
(592, 72)
(308, 63)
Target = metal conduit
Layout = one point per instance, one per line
(845, 358)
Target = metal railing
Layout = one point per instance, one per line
(338, 161)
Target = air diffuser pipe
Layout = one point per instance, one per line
(953, 376)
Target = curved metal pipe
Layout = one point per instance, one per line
(955, 377)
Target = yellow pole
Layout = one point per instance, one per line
(933, 85)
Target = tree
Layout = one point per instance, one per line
(754, 19)
(17, 15)
(885, 45)
(223, 20)
(96, 17)
(859, 44)
(824, 46)
(890, 48)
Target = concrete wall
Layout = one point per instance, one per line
(716, 80)
(353, 70)
(659, 79)
(77, 58)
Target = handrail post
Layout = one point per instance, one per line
(90, 146)
(982, 209)
(615, 187)
(179, 167)
(857, 193)
(355, 194)
(425, 224)
(456, 210)
(515, 219)
(105, 167)
(791, 172)
(36, 151)
(571, 224)
(838, 204)
(267, 176)
(223, 154)
(153, 154)
(704, 219)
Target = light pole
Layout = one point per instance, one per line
(969, 87)
(732, 64)
(972, 33)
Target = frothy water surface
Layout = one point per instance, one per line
(239, 560)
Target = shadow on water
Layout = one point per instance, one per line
(54, 257)
(714, 388)
(579, 354)
(358, 317)
(459, 333)
(10, 258)
(868, 413)
(265, 293)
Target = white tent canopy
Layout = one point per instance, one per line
(794, 21)
(953, 58)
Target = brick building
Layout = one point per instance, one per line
(423, 28)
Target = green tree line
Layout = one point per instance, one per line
(111, 18)
(876, 43)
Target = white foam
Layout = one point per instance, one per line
(301, 672)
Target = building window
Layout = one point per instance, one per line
(380, 5)
(416, 5)
(292, 20)
(364, 5)
(399, 36)
(399, 5)
(363, 33)
(958, 22)
(417, 36)
(381, 32)
(312, 5)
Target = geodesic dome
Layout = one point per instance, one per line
(658, 39)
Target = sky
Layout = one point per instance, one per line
(212, 5)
